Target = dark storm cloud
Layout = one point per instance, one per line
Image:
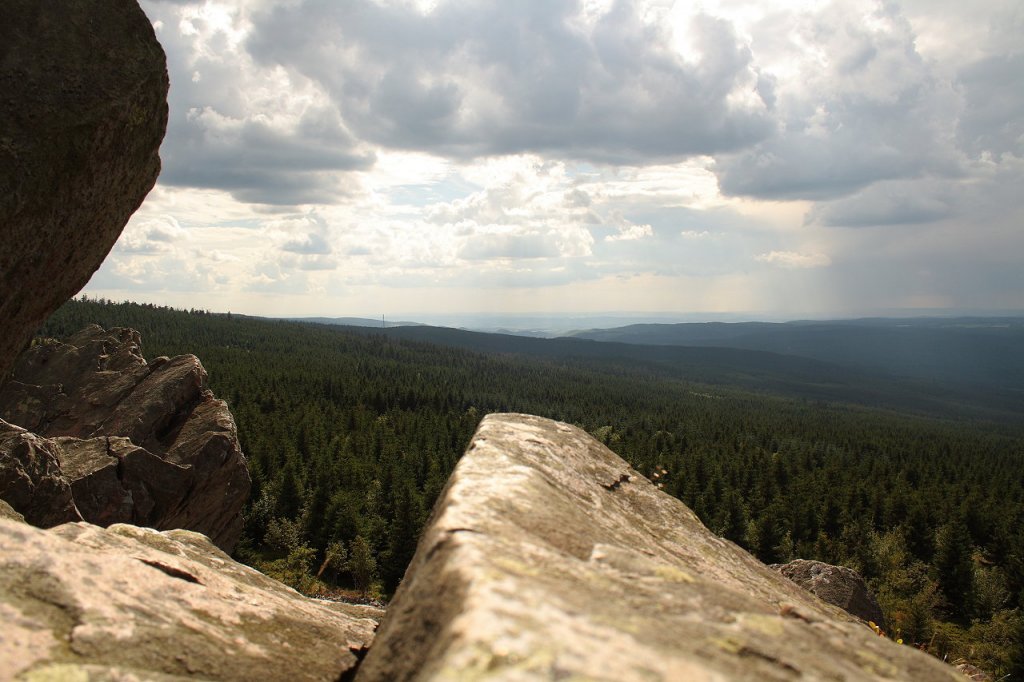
(491, 77)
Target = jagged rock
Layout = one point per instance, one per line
(83, 112)
(547, 557)
(140, 443)
(31, 480)
(837, 585)
(81, 602)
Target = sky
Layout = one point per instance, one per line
(423, 157)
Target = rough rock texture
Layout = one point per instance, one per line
(547, 557)
(79, 602)
(973, 672)
(83, 112)
(136, 442)
(837, 585)
(7, 512)
(31, 480)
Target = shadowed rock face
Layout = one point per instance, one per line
(837, 585)
(82, 602)
(130, 442)
(547, 557)
(83, 112)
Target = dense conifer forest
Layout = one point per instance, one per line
(351, 435)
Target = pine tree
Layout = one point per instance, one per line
(955, 570)
(362, 565)
(769, 534)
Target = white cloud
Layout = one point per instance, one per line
(794, 259)
(630, 233)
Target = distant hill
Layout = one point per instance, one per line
(985, 352)
(352, 321)
(755, 370)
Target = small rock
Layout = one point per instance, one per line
(838, 585)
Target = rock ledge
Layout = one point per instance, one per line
(547, 557)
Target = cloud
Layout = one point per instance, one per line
(626, 230)
(318, 148)
(488, 77)
(308, 244)
(794, 260)
(151, 236)
(630, 233)
(514, 246)
(862, 106)
(258, 134)
(889, 203)
(993, 118)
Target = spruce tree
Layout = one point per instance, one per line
(955, 570)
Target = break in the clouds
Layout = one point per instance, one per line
(355, 156)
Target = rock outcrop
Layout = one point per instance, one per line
(547, 557)
(838, 585)
(83, 112)
(31, 479)
(80, 602)
(117, 440)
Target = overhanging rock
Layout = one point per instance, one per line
(83, 111)
(548, 557)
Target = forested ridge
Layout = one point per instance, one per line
(351, 435)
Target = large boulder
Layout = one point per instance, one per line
(548, 557)
(837, 585)
(137, 442)
(83, 112)
(125, 603)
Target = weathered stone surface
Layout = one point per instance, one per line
(81, 602)
(83, 112)
(547, 557)
(8, 512)
(113, 481)
(31, 480)
(140, 443)
(838, 585)
(973, 672)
